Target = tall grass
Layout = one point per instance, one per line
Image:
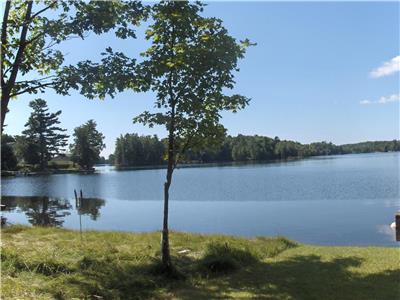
(51, 263)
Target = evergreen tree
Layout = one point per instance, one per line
(88, 143)
(42, 134)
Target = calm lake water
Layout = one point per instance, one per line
(331, 200)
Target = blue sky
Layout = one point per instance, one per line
(320, 71)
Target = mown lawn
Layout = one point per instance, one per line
(50, 263)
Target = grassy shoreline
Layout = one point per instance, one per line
(51, 263)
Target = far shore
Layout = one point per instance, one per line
(53, 171)
(45, 172)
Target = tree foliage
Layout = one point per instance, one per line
(44, 138)
(8, 157)
(135, 150)
(88, 143)
(244, 148)
(371, 146)
(32, 30)
(26, 151)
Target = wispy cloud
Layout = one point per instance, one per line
(382, 100)
(365, 102)
(387, 68)
(391, 98)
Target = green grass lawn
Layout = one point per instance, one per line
(49, 263)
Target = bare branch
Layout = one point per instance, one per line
(35, 80)
(42, 10)
(6, 71)
(33, 88)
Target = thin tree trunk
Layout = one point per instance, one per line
(4, 36)
(165, 253)
(4, 94)
(7, 87)
(4, 106)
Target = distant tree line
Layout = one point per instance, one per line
(43, 139)
(134, 150)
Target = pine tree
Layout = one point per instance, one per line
(42, 131)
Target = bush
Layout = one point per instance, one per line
(222, 257)
(60, 164)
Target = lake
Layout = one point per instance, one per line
(331, 200)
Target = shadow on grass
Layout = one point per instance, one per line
(226, 270)
(301, 277)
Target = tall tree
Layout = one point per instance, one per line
(189, 65)
(88, 143)
(31, 31)
(42, 132)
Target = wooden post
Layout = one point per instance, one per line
(80, 215)
(76, 199)
(80, 225)
(398, 226)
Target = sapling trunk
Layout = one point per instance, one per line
(165, 253)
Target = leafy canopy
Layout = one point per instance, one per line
(189, 65)
(88, 143)
(47, 23)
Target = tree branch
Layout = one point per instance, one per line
(30, 41)
(183, 150)
(34, 80)
(21, 48)
(42, 10)
(4, 39)
(32, 88)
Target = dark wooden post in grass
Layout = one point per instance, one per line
(78, 202)
(398, 226)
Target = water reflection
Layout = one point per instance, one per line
(50, 211)
(91, 207)
(340, 223)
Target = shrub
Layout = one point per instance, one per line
(222, 257)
